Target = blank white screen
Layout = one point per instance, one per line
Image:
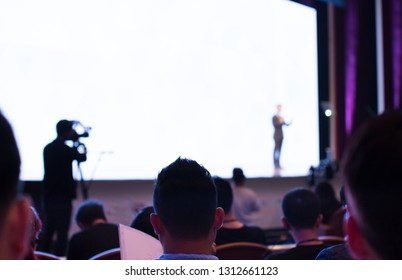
(161, 79)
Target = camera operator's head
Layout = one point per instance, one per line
(65, 130)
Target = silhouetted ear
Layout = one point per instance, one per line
(358, 245)
(17, 229)
(318, 221)
(219, 217)
(156, 223)
(285, 223)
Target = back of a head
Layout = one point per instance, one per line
(9, 166)
(63, 126)
(185, 199)
(238, 176)
(372, 166)
(89, 211)
(225, 194)
(328, 199)
(142, 221)
(301, 208)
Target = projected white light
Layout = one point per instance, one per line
(161, 79)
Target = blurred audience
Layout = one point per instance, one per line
(142, 221)
(302, 217)
(246, 205)
(339, 251)
(233, 230)
(186, 217)
(331, 210)
(96, 235)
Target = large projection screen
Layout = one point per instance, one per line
(161, 79)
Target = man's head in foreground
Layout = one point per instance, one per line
(372, 169)
(15, 212)
(186, 216)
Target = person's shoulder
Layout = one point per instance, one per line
(336, 252)
(249, 191)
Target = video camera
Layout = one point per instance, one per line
(79, 131)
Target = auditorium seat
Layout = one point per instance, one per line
(46, 256)
(112, 254)
(241, 251)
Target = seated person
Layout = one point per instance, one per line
(96, 235)
(331, 210)
(186, 217)
(233, 230)
(339, 251)
(142, 221)
(246, 205)
(36, 227)
(302, 217)
(336, 252)
(15, 214)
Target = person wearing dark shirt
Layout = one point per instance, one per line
(336, 252)
(302, 217)
(59, 187)
(96, 235)
(233, 230)
(278, 122)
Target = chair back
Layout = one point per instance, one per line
(241, 251)
(332, 239)
(39, 255)
(112, 254)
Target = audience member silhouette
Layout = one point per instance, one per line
(59, 188)
(302, 217)
(233, 230)
(142, 221)
(339, 251)
(96, 235)
(36, 227)
(331, 210)
(246, 205)
(186, 217)
(15, 212)
(371, 168)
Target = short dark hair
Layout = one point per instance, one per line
(238, 175)
(63, 126)
(328, 199)
(372, 169)
(10, 163)
(225, 193)
(89, 211)
(301, 208)
(184, 198)
(142, 221)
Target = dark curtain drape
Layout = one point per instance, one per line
(392, 52)
(356, 62)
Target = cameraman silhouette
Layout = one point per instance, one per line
(59, 187)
